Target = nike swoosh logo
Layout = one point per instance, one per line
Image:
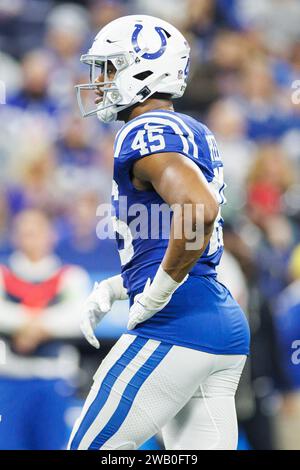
(150, 127)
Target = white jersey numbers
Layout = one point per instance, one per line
(149, 141)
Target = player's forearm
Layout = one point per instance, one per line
(171, 274)
(11, 317)
(184, 251)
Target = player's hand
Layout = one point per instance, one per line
(154, 298)
(98, 303)
(30, 336)
(94, 309)
(145, 306)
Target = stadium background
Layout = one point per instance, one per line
(243, 84)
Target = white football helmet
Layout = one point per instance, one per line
(149, 56)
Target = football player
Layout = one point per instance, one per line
(177, 367)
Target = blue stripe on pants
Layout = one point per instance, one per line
(104, 391)
(129, 395)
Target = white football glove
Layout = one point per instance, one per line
(153, 299)
(98, 303)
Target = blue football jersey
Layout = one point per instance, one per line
(201, 313)
(142, 251)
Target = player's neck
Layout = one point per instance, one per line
(150, 105)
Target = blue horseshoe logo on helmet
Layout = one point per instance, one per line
(153, 55)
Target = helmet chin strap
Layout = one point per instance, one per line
(110, 114)
(107, 115)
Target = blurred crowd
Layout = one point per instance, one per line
(243, 85)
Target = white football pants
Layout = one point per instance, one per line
(145, 386)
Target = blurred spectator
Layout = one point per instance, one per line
(66, 31)
(288, 332)
(229, 126)
(103, 12)
(82, 245)
(228, 54)
(22, 24)
(277, 20)
(40, 302)
(11, 74)
(165, 10)
(33, 180)
(67, 27)
(270, 176)
(257, 398)
(263, 104)
(33, 96)
(231, 275)
(80, 160)
(4, 228)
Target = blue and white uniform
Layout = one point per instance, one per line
(197, 345)
(202, 313)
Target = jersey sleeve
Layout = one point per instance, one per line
(142, 138)
(147, 139)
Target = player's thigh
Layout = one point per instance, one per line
(140, 390)
(162, 395)
(208, 420)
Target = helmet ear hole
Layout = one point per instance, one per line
(143, 75)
